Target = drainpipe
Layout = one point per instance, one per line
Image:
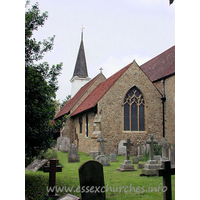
(163, 104)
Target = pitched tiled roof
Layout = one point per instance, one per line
(99, 92)
(70, 104)
(160, 66)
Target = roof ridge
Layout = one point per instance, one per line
(158, 55)
(158, 66)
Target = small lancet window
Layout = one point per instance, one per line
(134, 110)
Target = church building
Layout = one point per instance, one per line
(132, 103)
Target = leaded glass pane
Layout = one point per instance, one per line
(141, 118)
(134, 121)
(126, 118)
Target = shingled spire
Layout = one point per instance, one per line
(80, 75)
(81, 66)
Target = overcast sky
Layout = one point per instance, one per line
(116, 32)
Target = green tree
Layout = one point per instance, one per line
(40, 87)
(65, 101)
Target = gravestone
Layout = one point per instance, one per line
(166, 172)
(95, 149)
(73, 155)
(104, 160)
(127, 166)
(69, 197)
(121, 148)
(140, 149)
(140, 166)
(151, 143)
(157, 158)
(151, 166)
(52, 169)
(165, 149)
(113, 157)
(135, 160)
(63, 144)
(172, 155)
(36, 164)
(91, 178)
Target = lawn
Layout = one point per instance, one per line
(119, 185)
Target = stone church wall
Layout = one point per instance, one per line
(84, 143)
(169, 107)
(111, 104)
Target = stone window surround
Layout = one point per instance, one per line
(145, 114)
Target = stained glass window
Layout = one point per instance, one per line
(134, 110)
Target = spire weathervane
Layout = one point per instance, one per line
(82, 33)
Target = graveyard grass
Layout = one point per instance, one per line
(36, 182)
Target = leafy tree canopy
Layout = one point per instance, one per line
(40, 87)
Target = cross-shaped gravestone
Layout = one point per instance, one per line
(166, 172)
(128, 145)
(52, 169)
(151, 142)
(101, 140)
(139, 148)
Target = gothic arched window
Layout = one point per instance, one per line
(134, 110)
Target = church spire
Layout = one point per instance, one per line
(80, 75)
(81, 66)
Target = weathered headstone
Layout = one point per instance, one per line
(128, 145)
(140, 149)
(73, 155)
(104, 160)
(151, 142)
(140, 166)
(92, 181)
(165, 149)
(135, 160)
(69, 197)
(63, 144)
(127, 166)
(52, 169)
(157, 158)
(166, 172)
(101, 140)
(121, 148)
(172, 155)
(151, 166)
(36, 164)
(113, 157)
